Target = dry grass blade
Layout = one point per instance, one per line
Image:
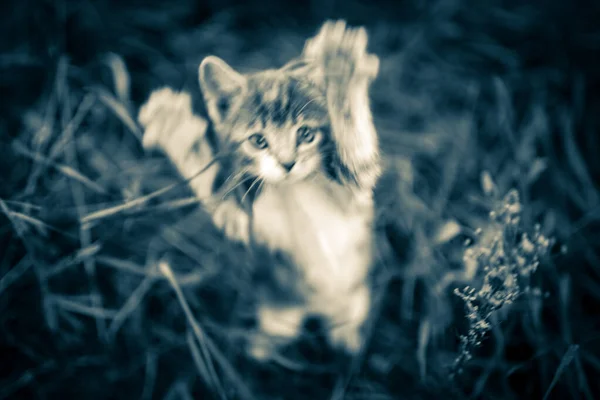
(179, 241)
(89, 264)
(132, 204)
(178, 391)
(564, 363)
(38, 224)
(590, 217)
(49, 312)
(204, 367)
(8, 389)
(202, 357)
(164, 207)
(44, 132)
(192, 279)
(120, 110)
(82, 309)
(173, 205)
(126, 266)
(81, 255)
(203, 339)
(15, 273)
(577, 161)
(82, 111)
(184, 392)
(130, 305)
(150, 376)
(9, 214)
(64, 169)
(450, 172)
(582, 379)
(136, 203)
(592, 360)
(120, 76)
(424, 336)
(564, 290)
(69, 130)
(492, 364)
(25, 205)
(79, 198)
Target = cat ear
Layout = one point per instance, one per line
(220, 85)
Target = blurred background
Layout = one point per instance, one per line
(504, 88)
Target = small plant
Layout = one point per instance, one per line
(507, 257)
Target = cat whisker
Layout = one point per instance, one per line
(235, 186)
(236, 175)
(258, 180)
(234, 181)
(261, 185)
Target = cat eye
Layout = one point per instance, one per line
(258, 141)
(306, 134)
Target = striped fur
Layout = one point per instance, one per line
(319, 214)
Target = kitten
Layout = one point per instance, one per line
(299, 152)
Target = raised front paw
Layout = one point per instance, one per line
(342, 53)
(169, 122)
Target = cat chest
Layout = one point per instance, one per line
(328, 242)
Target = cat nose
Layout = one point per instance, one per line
(288, 166)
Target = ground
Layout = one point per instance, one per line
(480, 106)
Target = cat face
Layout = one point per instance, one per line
(277, 118)
(283, 153)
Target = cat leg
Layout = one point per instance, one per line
(348, 332)
(277, 326)
(171, 127)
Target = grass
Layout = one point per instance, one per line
(474, 102)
